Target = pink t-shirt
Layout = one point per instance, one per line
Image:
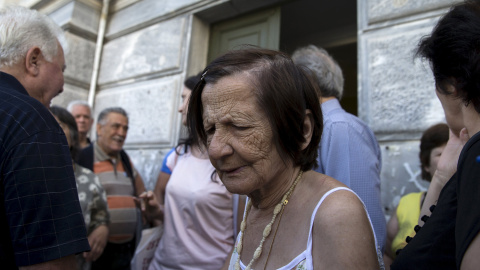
(198, 223)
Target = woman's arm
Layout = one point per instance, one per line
(342, 235)
(392, 230)
(160, 186)
(168, 163)
(100, 218)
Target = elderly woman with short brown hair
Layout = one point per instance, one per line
(259, 118)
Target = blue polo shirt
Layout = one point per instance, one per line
(40, 216)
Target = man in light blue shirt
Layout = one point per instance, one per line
(348, 151)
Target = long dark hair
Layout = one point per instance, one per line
(66, 118)
(453, 50)
(434, 136)
(187, 142)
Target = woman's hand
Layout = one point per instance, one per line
(97, 240)
(151, 209)
(447, 166)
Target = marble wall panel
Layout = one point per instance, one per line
(148, 163)
(86, 17)
(401, 172)
(70, 93)
(397, 92)
(382, 10)
(155, 49)
(63, 15)
(79, 58)
(143, 11)
(152, 108)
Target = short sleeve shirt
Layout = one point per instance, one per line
(40, 215)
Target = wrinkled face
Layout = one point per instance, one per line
(50, 78)
(83, 117)
(112, 134)
(452, 106)
(239, 136)
(434, 157)
(183, 109)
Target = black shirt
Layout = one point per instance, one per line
(442, 242)
(40, 216)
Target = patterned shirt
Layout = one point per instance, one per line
(40, 216)
(93, 202)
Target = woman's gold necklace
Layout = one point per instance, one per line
(266, 232)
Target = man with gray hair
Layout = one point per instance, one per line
(82, 113)
(41, 222)
(122, 183)
(348, 151)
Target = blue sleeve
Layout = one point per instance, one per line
(350, 154)
(41, 203)
(165, 168)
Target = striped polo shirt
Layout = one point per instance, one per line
(119, 189)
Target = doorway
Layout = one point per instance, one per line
(288, 25)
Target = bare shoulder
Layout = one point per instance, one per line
(339, 207)
(340, 203)
(341, 226)
(319, 184)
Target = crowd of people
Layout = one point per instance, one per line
(273, 174)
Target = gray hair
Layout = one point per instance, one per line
(78, 103)
(104, 113)
(324, 69)
(22, 29)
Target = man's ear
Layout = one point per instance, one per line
(307, 128)
(99, 130)
(32, 61)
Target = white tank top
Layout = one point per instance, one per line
(305, 260)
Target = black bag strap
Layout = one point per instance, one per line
(85, 159)
(128, 169)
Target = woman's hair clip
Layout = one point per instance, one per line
(203, 76)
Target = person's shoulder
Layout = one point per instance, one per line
(328, 187)
(25, 111)
(473, 144)
(322, 186)
(85, 157)
(84, 171)
(351, 120)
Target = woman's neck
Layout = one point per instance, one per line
(269, 196)
(471, 120)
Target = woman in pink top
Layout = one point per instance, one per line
(198, 209)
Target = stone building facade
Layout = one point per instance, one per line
(136, 54)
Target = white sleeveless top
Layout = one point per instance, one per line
(305, 260)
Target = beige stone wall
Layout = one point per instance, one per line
(396, 91)
(150, 46)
